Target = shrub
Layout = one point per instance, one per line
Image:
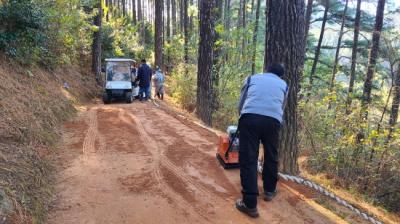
(23, 26)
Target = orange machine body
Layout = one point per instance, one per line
(230, 159)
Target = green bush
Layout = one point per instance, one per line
(44, 32)
(23, 26)
(182, 86)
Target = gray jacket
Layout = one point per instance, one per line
(266, 95)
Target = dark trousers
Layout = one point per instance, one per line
(254, 128)
(146, 91)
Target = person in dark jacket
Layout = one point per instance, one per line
(144, 78)
(261, 107)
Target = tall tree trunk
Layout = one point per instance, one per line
(173, 6)
(96, 45)
(168, 25)
(158, 33)
(308, 18)
(182, 15)
(123, 7)
(242, 22)
(134, 18)
(190, 17)
(318, 49)
(205, 71)
(289, 50)
(168, 37)
(266, 36)
(149, 7)
(373, 56)
(395, 104)
(227, 14)
(108, 7)
(353, 57)
(252, 9)
(141, 22)
(255, 34)
(139, 11)
(186, 30)
(335, 63)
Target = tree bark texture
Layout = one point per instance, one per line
(158, 33)
(373, 56)
(168, 25)
(395, 103)
(353, 57)
(205, 71)
(255, 34)
(266, 36)
(139, 11)
(123, 7)
(252, 9)
(318, 49)
(308, 18)
(174, 25)
(242, 24)
(227, 14)
(96, 45)
(287, 46)
(191, 26)
(186, 30)
(167, 37)
(108, 6)
(182, 15)
(134, 17)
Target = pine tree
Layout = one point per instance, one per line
(289, 50)
(205, 94)
(158, 33)
(366, 98)
(354, 57)
(134, 18)
(318, 49)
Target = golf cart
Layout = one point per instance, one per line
(119, 80)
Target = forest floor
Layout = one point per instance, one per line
(143, 163)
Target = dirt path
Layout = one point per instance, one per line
(140, 164)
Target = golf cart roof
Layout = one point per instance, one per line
(119, 60)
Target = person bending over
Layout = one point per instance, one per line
(261, 109)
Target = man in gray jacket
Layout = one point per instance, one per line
(261, 109)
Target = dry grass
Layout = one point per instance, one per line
(356, 199)
(32, 103)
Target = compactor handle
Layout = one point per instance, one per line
(231, 143)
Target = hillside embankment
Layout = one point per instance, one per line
(33, 102)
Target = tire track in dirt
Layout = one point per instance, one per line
(166, 163)
(93, 135)
(209, 199)
(90, 137)
(158, 164)
(194, 152)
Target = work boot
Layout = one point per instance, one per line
(268, 196)
(241, 206)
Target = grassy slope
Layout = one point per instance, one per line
(32, 103)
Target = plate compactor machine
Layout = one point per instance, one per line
(228, 148)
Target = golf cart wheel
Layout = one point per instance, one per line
(128, 97)
(106, 98)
